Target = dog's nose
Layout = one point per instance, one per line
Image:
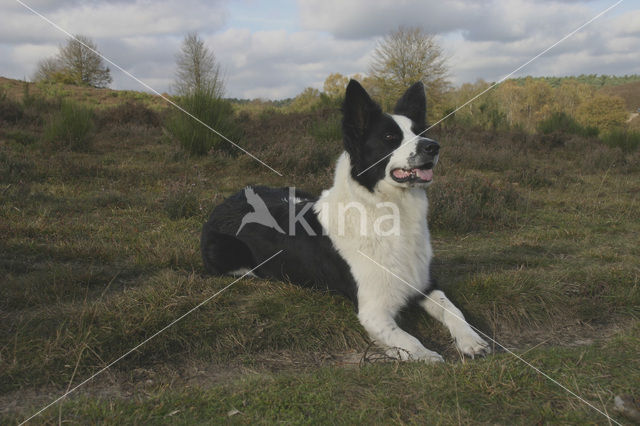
(428, 146)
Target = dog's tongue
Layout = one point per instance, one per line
(425, 174)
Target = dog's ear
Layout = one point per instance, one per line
(413, 104)
(358, 112)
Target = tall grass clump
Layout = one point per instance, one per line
(626, 140)
(207, 106)
(70, 128)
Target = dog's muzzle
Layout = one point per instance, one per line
(420, 164)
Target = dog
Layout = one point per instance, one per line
(366, 237)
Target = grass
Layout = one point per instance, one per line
(535, 241)
(70, 128)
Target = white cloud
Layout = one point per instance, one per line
(279, 64)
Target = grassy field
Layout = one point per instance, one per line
(536, 239)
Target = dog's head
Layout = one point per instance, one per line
(386, 147)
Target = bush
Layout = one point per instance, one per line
(327, 129)
(70, 128)
(195, 138)
(626, 140)
(564, 123)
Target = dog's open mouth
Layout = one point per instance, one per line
(420, 174)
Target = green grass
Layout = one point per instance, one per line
(70, 128)
(537, 243)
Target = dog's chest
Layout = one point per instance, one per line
(384, 241)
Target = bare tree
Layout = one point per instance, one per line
(406, 56)
(78, 61)
(197, 68)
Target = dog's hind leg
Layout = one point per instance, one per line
(441, 308)
(225, 254)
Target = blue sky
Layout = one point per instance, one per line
(275, 49)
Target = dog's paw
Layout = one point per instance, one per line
(472, 345)
(424, 355)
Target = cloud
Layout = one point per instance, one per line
(262, 56)
(604, 47)
(476, 20)
(110, 19)
(277, 64)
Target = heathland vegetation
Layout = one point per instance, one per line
(535, 231)
(535, 218)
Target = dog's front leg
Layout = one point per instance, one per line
(467, 340)
(383, 329)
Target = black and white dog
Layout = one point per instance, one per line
(366, 237)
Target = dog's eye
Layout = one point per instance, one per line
(389, 137)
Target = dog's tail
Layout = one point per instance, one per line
(223, 253)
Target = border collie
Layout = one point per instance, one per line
(366, 237)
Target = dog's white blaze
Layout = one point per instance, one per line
(400, 157)
(406, 253)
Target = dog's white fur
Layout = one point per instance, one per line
(406, 255)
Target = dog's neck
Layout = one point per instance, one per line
(333, 205)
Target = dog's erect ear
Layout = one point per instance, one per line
(413, 104)
(359, 111)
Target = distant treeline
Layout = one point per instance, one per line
(597, 80)
(275, 103)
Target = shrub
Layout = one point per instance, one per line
(626, 140)
(327, 129)
(564, 123)
(195, 138)
(70, 128)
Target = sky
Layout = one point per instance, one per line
(275, 49)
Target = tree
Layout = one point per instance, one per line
(77, 62)
(306, 100)
(48, 69)
(335, 85)
(603, 111)
(405, 56)
(197, 68)
(80, 57)
(200, 86)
